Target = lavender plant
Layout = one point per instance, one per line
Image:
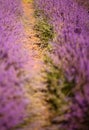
(13, 102)
(70, 20)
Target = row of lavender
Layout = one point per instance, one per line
(70, 19)
(12, 59)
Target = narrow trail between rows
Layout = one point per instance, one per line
(38, 109)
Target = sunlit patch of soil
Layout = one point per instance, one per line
(38, 109)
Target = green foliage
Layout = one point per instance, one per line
(44, 29)
(67, 88)
(59, 88)
(38, 13)
(53, 74)
(45, 32)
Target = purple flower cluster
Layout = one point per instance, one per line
(12, 60)
(70, 19)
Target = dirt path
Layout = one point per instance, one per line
(37, 110)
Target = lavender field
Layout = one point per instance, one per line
(44, 65)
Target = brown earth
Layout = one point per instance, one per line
(38, 109)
